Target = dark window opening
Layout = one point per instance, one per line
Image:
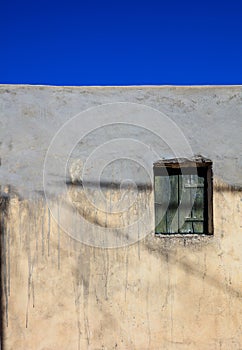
(183, 196)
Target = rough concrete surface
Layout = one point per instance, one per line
(210, 118)
(157, 293)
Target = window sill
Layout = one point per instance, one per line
(182, 235)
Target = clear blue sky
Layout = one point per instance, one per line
(121, 42)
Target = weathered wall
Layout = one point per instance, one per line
(159, 293)
(209, 117)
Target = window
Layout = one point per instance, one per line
(183, 196)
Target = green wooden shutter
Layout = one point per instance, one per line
(185, 211)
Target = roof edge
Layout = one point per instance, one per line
(121, 86)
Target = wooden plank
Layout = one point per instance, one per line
(172, 211)
(198, 206)
(197, 161)
(209, 199)
(161, 198)
(185, 204)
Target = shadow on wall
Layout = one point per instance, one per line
(171, 257)
(167, 250)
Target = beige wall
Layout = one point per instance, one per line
(160, 293)
(156, 294)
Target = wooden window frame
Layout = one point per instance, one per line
(200, 166)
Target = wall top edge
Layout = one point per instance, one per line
(119, 86)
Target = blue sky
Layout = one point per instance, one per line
(121, 42)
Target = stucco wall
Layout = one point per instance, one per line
(157, 293)
(160, 293)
